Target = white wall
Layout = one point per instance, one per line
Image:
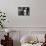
(37, 17)
(14, 19)
(39, 13)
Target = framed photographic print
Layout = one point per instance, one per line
(23, 11)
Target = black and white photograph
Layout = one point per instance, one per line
(23, 11)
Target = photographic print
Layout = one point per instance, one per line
(23, 11)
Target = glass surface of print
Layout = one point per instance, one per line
(23, 11)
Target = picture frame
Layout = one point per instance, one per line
(23, 11)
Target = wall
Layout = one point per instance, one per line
(37, 17)
(38, 13)
(14, 19)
